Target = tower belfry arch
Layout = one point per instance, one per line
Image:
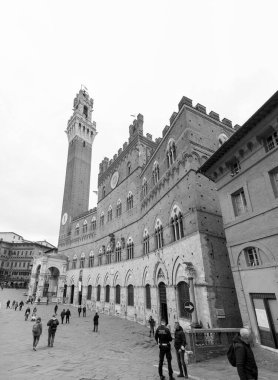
(81, 132)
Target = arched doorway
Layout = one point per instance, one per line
(36, 280)
(65, 291)
(51, 282)
(163, 301)
(72, 294)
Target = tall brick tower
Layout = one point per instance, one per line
(81, 132)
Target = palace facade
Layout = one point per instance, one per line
(155, 240)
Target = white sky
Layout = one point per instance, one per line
(133, 56)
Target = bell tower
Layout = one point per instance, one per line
(81, 131)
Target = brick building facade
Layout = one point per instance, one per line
(155, 239)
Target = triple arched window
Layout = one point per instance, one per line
(129, 201)
(158, 233)
(77, 229)
(144, 187)
(74, 261)
(146, 242)
(85, 227)
(119, 208)
(109, 214)
(108, 254)
(118, 256)
(176, 223)
(101, 220)
(171, 152)
(93, 223)
(130, 249)
(155, 172)
(82, 260)
(100, 253)
(91, 259)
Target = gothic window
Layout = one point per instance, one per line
(100, 256)
(155, 172)
(93, 223)
(91, 259)
(89, 293)
(101, 219)
(158, 233)
(183, 296)
(130, 249)
(130, 295)
(128, 168)
(129, 201)
(171, 152)
(82, 260)
(98, 292)
(148, 296)
(119, 208)
(118, 252)
(77, 229)
(103, 191)
(85, 111)
(176, 223)
(118, 295)
(74, 261)
(108, 254)
(146, 242)
(109, 214)
(85, 227)
(107, 293)
(144, 187)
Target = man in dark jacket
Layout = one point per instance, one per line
(68, 314)
(63, 313)
(163, 338)
(96, 317)
(84, 311)
(152, 324)
(245, 362)
(79, 310)
(52, 323)
(180, 343)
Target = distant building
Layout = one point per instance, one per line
(155, 240)
(245, 170)
(16, 258)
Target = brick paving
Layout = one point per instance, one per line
(121, 350)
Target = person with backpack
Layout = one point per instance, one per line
(240, 355)
(52, 323)
(37, 331)
(68, 314)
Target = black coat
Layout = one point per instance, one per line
(245, 361)
(179, 338)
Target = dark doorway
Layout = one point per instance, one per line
(163, 302)
(72, 294)
(80, 296)
(65, 291)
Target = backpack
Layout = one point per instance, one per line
(36, 329)
(231, 355)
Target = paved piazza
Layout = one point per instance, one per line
(121, 350)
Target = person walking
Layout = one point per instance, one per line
(84, 311)
(27, 313)
(13, 304)
(96, 318)
(63, 313)
(245, 360)
(20, 305)
(79, 310)
(68, 314)
(163, 338)
(180, 343)
(37, 331)
(56, 308)
(52, 327)
(152, 324)
(8, 304)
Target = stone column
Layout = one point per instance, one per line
(193, 300)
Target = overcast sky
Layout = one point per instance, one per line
(133, 56)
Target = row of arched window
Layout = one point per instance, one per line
(182, 296)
